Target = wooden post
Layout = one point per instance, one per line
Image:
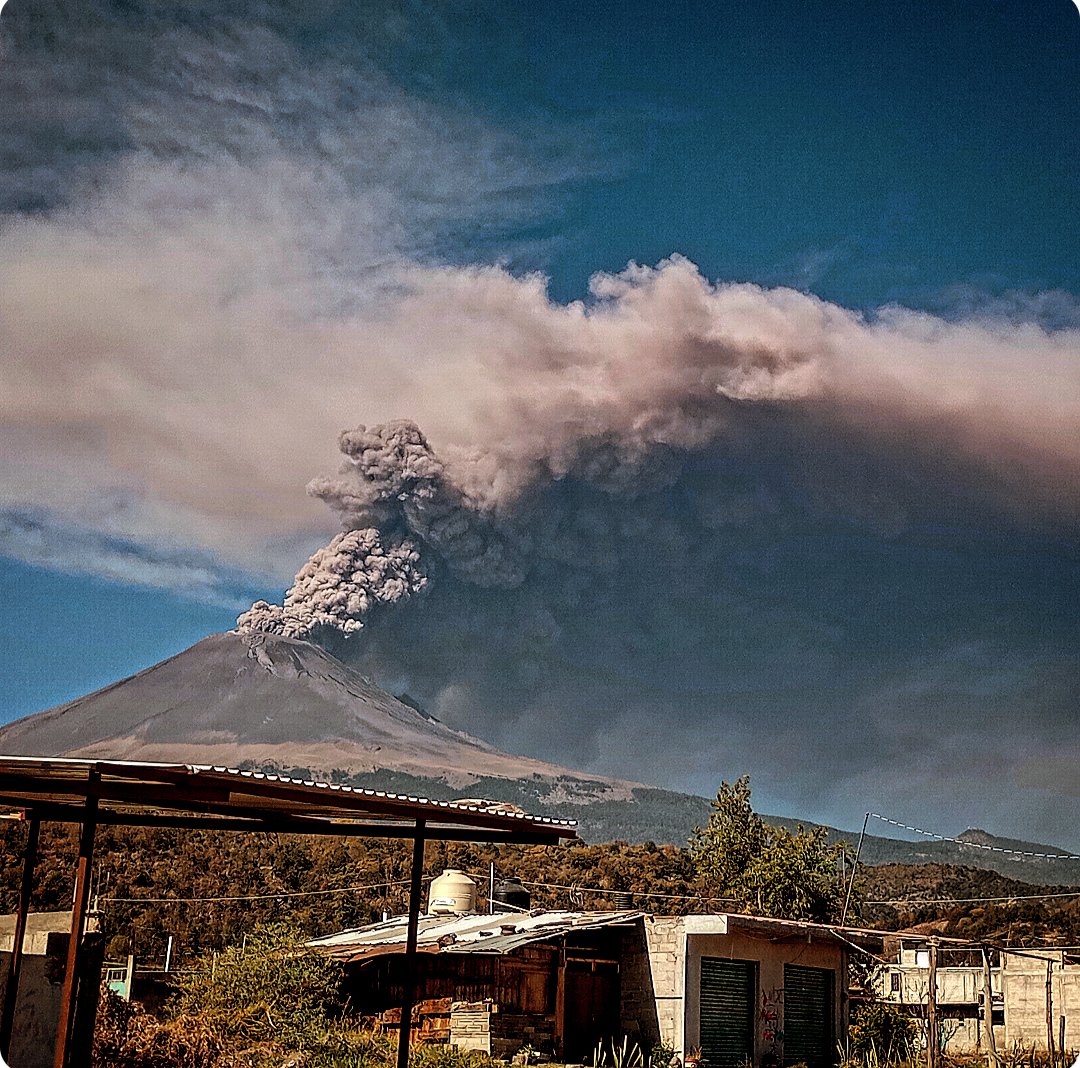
(1061, 1038)
(988, 1009)
(78, 919)
(931, 1010)
(11, 989)
(1050, 1011)
(415, 893)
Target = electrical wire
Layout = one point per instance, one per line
(249, 897)
(973, 845)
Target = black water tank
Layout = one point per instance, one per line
(623, 900)
(511, 896)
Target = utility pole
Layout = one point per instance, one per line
(1050, 1011)
(988, 1011)
(931, 1010)
(854, 868)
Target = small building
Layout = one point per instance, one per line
(549, 979)
(1033, 992)
(741, 988)
(41, 979)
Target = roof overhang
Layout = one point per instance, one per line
(145, 794)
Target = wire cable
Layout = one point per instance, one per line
(974, 845)
(249, 897)
(973, 900)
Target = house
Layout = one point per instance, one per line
(742, 988)
(1033, 992)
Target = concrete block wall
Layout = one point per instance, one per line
(1025, 1004)
(666, 942)
(484, 1027)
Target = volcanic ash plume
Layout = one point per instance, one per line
(393, 495)
(340, 584)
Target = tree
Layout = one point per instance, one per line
(770, 871)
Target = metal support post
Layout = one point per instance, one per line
(69, 995)
(11, 989)
(415, 894)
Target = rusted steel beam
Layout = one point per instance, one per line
(69, 994)
(201, 791)
(62, 813)
(415, 894)
(11, 989)
(111, 790)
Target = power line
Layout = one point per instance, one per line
(249, 897)
(608, 892)
(632, 893)
(974, 845)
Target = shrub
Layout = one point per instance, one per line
(272, 990)
(883, 1031)
(127, 1036)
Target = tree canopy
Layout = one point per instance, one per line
(770, 871)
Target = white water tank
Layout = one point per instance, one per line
(451, 893)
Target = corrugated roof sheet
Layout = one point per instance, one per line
(500, 933)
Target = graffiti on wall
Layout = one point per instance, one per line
(770, 1016)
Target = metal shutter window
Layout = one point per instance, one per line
(727, 1011)
(808, 1016)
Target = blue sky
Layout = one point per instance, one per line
(210, 218)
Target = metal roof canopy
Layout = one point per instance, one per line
(143, 794)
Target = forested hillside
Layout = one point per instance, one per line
(242, 880)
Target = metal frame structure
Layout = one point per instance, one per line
(93, 793)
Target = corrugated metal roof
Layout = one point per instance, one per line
(500, 933)
(58, 785)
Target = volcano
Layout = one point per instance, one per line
(262, 699)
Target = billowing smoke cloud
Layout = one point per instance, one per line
(340, 585)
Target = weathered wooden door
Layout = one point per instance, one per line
(590, 1007)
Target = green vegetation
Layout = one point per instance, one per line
(264, 1004)
(882, 1032)
(737, 854)
(770, 871)
(268, 989)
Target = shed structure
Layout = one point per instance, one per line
(745, 989)
(548, 979)
(92, 793)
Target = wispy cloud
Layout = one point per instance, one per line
(40, 540)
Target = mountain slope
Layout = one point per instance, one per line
(264, 699)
